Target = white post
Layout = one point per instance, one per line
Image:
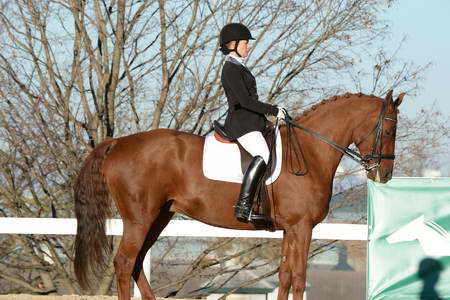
(146, 265)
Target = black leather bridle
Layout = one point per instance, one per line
(364, 161)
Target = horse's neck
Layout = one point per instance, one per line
(336, 121)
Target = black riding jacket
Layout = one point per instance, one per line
(245, 111)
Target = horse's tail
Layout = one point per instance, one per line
(92, 207)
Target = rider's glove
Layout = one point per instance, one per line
(282, 113)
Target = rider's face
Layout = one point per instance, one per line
(244, 48)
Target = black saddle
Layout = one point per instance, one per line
(220, 130)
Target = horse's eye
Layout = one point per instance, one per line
(388, 132)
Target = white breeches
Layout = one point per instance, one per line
(255, 144)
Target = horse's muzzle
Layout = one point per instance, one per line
(379, 175)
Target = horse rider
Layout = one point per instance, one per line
(246, 119)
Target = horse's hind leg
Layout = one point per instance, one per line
(135, 230)
(138, 272)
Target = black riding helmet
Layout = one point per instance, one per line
(233, 32)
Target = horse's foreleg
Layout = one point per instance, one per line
(284, 275)
(153, 234)
(298, 258)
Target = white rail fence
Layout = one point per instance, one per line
(180, 228)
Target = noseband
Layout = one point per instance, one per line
(364, 161)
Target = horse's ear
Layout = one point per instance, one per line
(389, 99)
(399, 100)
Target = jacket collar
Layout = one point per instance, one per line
(235, 60)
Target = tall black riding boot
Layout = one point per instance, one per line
(250, 182)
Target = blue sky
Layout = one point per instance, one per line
(426, 23)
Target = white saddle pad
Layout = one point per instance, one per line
(222, 161)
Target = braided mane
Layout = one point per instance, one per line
(334, 98)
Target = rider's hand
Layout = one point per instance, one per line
(282, 113)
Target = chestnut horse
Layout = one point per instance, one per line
(151, 175)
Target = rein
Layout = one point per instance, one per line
(364, 161)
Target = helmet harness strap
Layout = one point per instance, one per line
(236, 48)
